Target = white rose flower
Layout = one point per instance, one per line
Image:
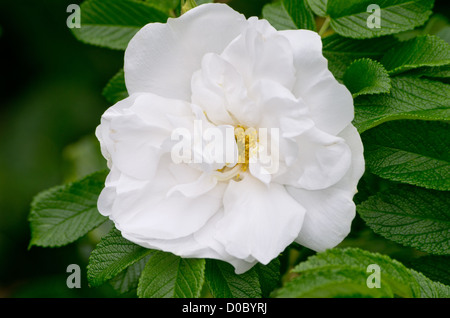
(213, 65)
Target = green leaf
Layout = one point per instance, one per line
(430, 72)
(319, 7)
(444, 34)
(111, 256)
(165, 5)
(116, 90)
(332, 283)
(269, 276)
(366, 76)
(112, 23)
(128, 279)
(434, 267)
(341, 52)
(170, 276)
(409, 98)
(63, 214)
(349, 17)
(345, 272)
(278, 17)
(289, 14)
(429, 288)
(199, 2)
(224, 283)
(414, 152)
(421, 51)
(411, 216)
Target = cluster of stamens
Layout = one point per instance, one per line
(246, 140)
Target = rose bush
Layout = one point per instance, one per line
(213, 65)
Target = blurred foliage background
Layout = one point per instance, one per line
(51, 102)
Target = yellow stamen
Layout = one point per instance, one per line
(247, 140)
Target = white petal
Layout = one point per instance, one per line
(258, 171)
(277, 108)
(216, 88)
(131, 133)
(163, 112)
(103, 130)
(108, 195)
(322, 161)
(161, 58)
(186, 247)
(260, 52)
(330, 103)
(145, 209)
(329, 212)
(201, 244)
(328, 218)
(206, 236)
(202, 185)
(353, 139)
(259, 221)
(285, 117)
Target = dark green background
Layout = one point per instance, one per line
(50, 92)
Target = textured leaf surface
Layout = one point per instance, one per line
(289, 14)
(411, 216)
(367, 76)
(224, 283)
(111, 256)
(421, 51)
(341, 52)
(343, 273)
(278, 17)
(169, 276)
(349, 17)
(319, 7)
(165, 5)
(116, 90)
(436, 268)
(128, 279)
(414, 152)
(431, 72)
(331, 283)
(269, 276)
(409, 98)
(63, 214)
(429, 288)
(112, 23)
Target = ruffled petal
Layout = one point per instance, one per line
(329, 212)
(353, 140)
(328, 218)
(132, 132)
(148, 209)
(259, 220)
(322, 161)
(216, 87)
(201, 244)
(261, 52)
(330, 103)
(161, 58)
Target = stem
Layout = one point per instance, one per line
(172, 13)
(187, 5)
(325, 26)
